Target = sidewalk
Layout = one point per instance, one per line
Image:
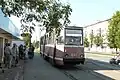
(13, 73)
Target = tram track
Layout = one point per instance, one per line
(78, 69)
(88, 70)
(69, 75)
(72, 77)
(101, 77)
(109, 67)
(116, 68)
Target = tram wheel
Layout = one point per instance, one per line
(44, 57)
(53, 62)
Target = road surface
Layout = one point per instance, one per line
(39, 69)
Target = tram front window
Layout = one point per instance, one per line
(73, 40)
(73, 37)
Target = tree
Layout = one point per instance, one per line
(34, 43)
(52, 14)
(114, 31)
(91, 38)
(98, 40)
(26, 38)
(37, 44)
(57, 17)
(86, 42)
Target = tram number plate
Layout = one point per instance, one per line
(73, 55)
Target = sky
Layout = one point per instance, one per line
(86, 12)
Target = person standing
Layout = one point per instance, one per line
(31, 51)
(8, 55)
(33, 48)
(5, 57)
(24, 51)
(21, 51)
(14, 52)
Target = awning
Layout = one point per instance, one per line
(7, 27)
(8, 34)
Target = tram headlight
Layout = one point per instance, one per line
(66, 55)
(82, 55)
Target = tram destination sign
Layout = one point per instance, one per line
(71, 31)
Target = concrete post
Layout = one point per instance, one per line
(1, 49)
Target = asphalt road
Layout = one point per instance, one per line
(93, 69)
(38, 69)
(107, 69)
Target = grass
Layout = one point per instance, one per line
(98, 53)
(101, 53)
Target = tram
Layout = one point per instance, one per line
(67, 48)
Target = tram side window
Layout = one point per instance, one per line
(60, 40)
(46, 39)
(41, 42)
(50, 41)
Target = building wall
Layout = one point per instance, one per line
(8, 32)
(3, 39)
(103, 26)
(104, 29)
(6, 37)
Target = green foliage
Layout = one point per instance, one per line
(33, 43)
(37, 44)
(41, 40)
(86, 42)
(57, 13)
(52, 14)
(98, 40)
(26, 38)
(91, 38)
(114, 31)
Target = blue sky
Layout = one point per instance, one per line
(89, 11)
(86, 12)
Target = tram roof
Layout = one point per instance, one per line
(73, 27)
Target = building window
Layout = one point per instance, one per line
(100, 31)
(85, 33)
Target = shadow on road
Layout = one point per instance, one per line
(91, 64)
(100, 65)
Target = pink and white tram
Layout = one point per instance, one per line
(65, 49)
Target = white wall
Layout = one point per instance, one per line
(95, 28)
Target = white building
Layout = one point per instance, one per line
(101, 26)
